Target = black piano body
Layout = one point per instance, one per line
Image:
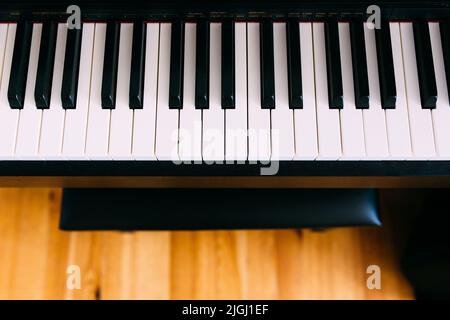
(290, 173)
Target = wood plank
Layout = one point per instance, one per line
(31, 237)
(9, 217)
(82, 252)
(134, 265)
(258, 264)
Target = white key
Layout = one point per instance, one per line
(213, 118)
(121, 128)
(352, 127)
(375, 133)
(3, 36)
(441, 115)
(30, 117)
(145, 118)
(397, 122)
(305, 123)
(97, 138)
(420, 122)
(259, 145)
(282, 126)
(166, 119)
(8, 117)
(328, 123)
(50, 144)
(75, 125)
(236, 119)
(190, 135)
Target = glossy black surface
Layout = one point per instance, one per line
(294, 64)
(202, 65)
(334, 72)
(102, 10)
(110, 65)
(44, 76)
(228, 65)
(388, 90)
(71, 69)
(359, 64)
(136, 95)
(19, 65)
(154, 209)
(64, 168)
(267, 65)
(425, 65)
(176, 65)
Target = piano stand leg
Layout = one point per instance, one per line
(426, 262)
(196, 209)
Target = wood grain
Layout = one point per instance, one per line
(225, 182)
(271, 264)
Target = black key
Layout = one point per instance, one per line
(176, 66)
(202, 66)
(359, 63)
(228, 65)
(19, 65)
(334, 72)
(294, 64)
(44, 75)
(110, 63)
(425, 65)
(136, 98)
(388, 90)
(267, 65)
(444, 27)
(69, 86)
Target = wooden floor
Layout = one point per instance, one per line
(35, 255)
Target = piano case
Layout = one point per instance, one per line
(197, 209)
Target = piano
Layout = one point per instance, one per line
(147, 91)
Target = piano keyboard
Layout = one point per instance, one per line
(226, 90)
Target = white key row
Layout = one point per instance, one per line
(247, 132)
